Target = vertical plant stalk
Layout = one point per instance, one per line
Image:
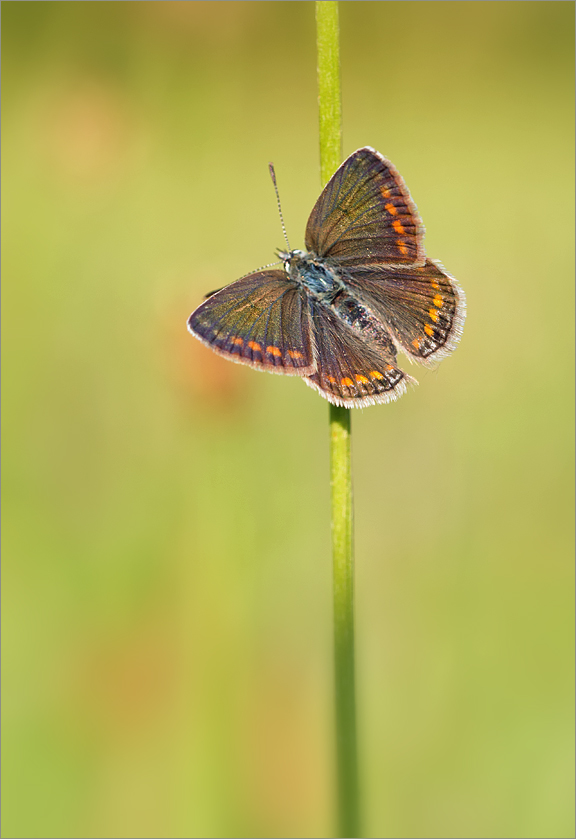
(330, 111)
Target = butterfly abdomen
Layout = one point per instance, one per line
(363, 321)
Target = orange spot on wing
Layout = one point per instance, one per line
(435, 284)
(347, 382)
(389, 368)
(402, 247)
(273, 351)
(237, 341)
(416, 343)
(429, 330)
(433, 315)
(331, 379)
(438, 301)
(254, 346)
(390, 208)
(362, 380)
(397, 225)
(376, 375)
(295, 354)
(385, 192)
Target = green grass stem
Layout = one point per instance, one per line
(330, 111)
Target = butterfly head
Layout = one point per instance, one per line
(291, 259)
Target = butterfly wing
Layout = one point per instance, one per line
(260, 320)
(423, 308)
(365, 216)
(350, 371)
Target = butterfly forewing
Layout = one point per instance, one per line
(422, 307)
(365, 216)
(351, 372)
(261, 320)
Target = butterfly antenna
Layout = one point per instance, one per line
(273, 176)
(249, 274)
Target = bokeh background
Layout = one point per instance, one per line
(167, 576)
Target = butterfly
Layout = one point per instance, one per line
(337, 313)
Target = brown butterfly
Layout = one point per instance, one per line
(337, 313)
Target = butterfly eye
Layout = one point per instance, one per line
(285, 257)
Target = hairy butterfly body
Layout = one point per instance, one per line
(339, 312)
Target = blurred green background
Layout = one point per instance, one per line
(167, 572)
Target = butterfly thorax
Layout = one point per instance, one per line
(313, 273)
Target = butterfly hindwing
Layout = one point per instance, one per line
(260, 320)
(365, 216)
(423, 308)
(349, 371)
